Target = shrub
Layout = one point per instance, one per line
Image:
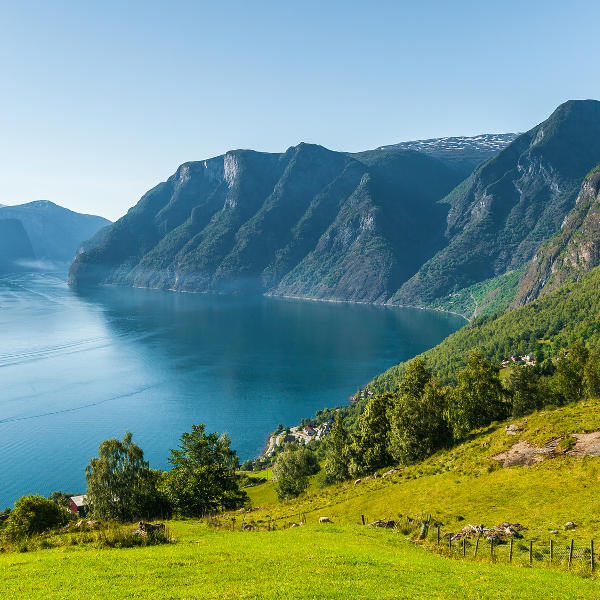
(32, 515)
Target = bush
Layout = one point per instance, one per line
(32, 515)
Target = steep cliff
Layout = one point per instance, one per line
(571, 252)
(307, 222)
(499, 216)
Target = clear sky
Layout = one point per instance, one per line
(102, 100)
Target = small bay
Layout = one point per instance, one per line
(79, 367)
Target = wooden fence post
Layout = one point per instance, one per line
(450, 543)
(438, 534)
(592, 555)
(492, 549)
(476, 546)
(363, 518)
(570, 553)
(530, 552)
(464, 547)
(510, 551)
(232, 523)
(551, 550)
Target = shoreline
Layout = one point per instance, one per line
(288, 297)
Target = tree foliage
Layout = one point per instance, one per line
(121, 485)
(292, 469)
(33, 514)
(203, 477)
(336, 458)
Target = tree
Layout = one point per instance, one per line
(370, 445)
(591, 376)
(60, 498)
(292, 469)
(418, 424)
(203, 477)
(336, 457)
(479, 398)
(569, 376)
(33, 514)
(522, 385)
(120, 483)
(247, 465)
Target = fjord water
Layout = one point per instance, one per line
(77, 367)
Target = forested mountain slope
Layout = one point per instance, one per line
(548, 324)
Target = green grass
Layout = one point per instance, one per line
(326, 561)
(467, 483)
(345, 560)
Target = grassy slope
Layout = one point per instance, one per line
(345, 560)
(310, 562)
(467, 482)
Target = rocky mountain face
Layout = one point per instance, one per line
(54, 232)
(498, 217)
(574, 250)
(14, 246)
(394, 225)
(308, 222)
(462, 153)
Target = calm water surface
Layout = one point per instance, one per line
(79, 367)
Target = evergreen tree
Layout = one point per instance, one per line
(203, 477)
(479, 398)
(370, 445)
(522, 385)
(336, 457)
(591, 376)
(418, 424)
(569, 376)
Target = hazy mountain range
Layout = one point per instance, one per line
(44, 232)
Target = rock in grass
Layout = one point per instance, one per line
(325, 520)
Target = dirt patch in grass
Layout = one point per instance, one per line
(524, 454)
(586, 444)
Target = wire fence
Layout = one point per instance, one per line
(577, 555)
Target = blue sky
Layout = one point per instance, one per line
(102, 100)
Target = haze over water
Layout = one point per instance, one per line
(79, 367)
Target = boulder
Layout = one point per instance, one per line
(325, 520)
(570, 525)
(383, 523)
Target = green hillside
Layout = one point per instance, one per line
(345, 559)
(549, 324)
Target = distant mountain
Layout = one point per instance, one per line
(14, 245)
(510, 205)
(308, 222)
(573, 251)
(462, 153)
(395, 225)
(54, 232)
